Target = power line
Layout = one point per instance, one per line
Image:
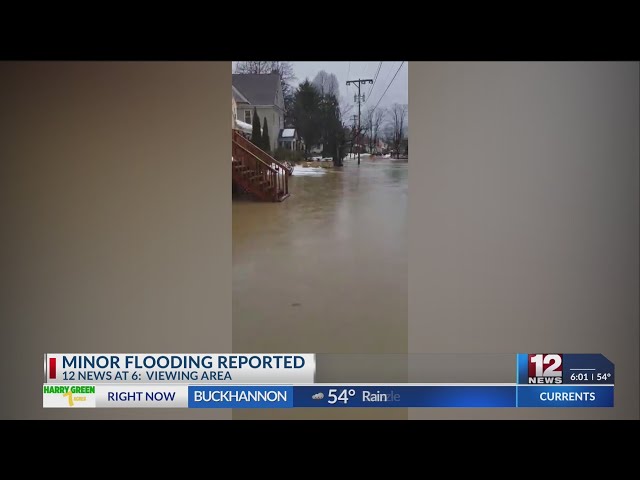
(374, 80)
(391, 67)
(348, 71)
(377, 73)
(364, 69)
(394, 77)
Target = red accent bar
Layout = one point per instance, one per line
(52, 368)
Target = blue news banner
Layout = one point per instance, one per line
(399, 396)
(542, 381)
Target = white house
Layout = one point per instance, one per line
(236, 123)
(290, 140)
(234, 112)
(264, 93)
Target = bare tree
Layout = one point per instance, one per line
(255, 67)
(287, 78)
(387, 134)
(378, 119)
(327, 83)
(373, 118)
(367, 126)
(345, 107)
(284, 69)
(398, 117)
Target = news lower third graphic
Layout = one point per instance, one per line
(549, 380)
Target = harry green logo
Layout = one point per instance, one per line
(73, 393)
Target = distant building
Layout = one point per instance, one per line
(381, 146)
(264, 93)
(316, 149)
(289, 139)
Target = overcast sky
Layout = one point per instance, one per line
(398, 92)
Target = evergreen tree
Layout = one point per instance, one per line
(266, 141)
(307, 113)
(256, 133)
(333, 129)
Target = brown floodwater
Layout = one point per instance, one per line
(325, 271)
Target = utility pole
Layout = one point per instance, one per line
(359, 98)
(353, 139)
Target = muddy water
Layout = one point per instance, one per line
(325, 270)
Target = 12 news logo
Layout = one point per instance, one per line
(545, 368)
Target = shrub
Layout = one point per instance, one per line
(280, 154)
(285, 155)
(266, 142)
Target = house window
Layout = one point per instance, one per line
(247, 116)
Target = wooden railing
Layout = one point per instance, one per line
(261, 154)
(265, 180)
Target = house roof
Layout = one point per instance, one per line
(258, 89)
(245, 127)
(238, 97)
(288, 133)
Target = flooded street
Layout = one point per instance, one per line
(325, 270)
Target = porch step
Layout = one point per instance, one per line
(263, 184)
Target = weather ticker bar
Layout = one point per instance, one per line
(544, 380)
